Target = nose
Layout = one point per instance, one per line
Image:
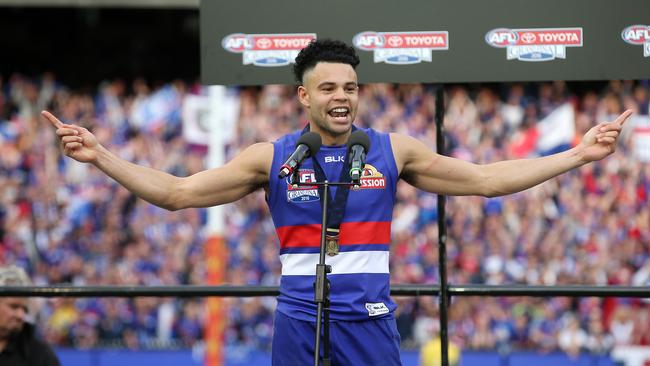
(339, 94)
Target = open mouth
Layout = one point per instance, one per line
(339, 113)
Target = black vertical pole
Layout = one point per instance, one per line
(321, 292)
(442, 233)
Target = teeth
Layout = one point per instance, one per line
(340, 110)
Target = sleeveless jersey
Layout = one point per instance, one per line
(359, 279)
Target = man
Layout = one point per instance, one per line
(363, 327)
(18, 344)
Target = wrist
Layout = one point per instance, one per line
(101, 156)
(578, 155)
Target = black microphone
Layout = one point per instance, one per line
(358, 146)
(308, 145)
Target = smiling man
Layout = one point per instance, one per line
(363, 326)
(18, 344)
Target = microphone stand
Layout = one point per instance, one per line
(322, 285)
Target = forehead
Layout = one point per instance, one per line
(331, 72)
(14, 301)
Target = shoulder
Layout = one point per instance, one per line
(45, 352)
(374, 133)
(406, 145)
(38, 348)
(259, 147)
(400, 140)
(259, 155)
(404, 148)
(288, 139)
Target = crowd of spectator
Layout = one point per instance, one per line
(66, 223)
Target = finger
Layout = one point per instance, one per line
(623, 117)
(68, 139)
(608, 134)
(53, 120)
(606, 140)
(78, 129)
(66, 132)
(71, 146)
(613, 126)
(601, 127)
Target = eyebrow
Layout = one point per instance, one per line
(331, 83)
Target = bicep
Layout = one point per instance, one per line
(242, 175)
(435, 173)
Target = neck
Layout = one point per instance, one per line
(3, 344)
(329, 138)
(339, 140)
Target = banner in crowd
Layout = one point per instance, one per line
(641, 137)
(250, 42)
(556, 131)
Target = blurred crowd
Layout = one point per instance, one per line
(66, 223)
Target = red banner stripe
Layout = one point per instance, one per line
(352, 233)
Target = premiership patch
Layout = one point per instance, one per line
(303, 193)
(535, 44)
(267, 49)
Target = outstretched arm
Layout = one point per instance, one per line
(242, 175)
(435, 173)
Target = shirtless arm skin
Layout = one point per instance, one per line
(424, 169)
(239, 177)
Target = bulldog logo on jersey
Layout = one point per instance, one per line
(299, 193)
(371, 178)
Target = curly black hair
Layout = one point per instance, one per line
(326, 50)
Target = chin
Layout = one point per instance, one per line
(340, 127)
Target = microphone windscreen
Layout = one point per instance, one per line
(359, 137)
(312, 140)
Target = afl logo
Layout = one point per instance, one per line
(636, 34)
(237, 43)
(502, 37)
(369, 41)
(304, 192)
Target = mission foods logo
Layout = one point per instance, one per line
(372, 178)
(535, 44)
(303, 193)
(638, 35)
(402, 48)
(267, 49)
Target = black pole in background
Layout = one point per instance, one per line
(185, 291)
(442, 233)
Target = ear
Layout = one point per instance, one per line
(303, 96)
